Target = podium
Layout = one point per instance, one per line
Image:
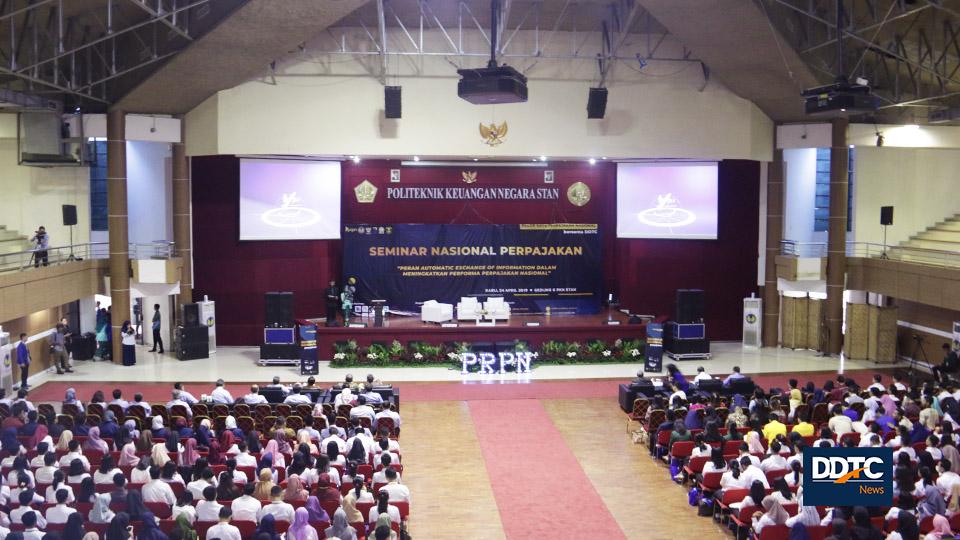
(378, 306)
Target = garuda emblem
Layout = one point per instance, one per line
(493, 134)
(469, 176)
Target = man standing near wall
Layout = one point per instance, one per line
(58, 350)
(23, 360)
(157, 340)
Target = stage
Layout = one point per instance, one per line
(581, 328)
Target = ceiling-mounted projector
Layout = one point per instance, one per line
(841, 96)
(492, 85)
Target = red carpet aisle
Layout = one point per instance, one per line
(540, 488)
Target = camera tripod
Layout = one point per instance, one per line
(917, 347)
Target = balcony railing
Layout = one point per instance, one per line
(932, 257)
(23, 260)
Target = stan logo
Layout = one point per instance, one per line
(366, 192)
(667, 213)
(578, 194)
(848, 476)
(291, 213)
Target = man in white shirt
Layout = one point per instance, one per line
(244, 459)
(362, 410)
(296, 397)
(334, 438)
(22, 398)
(44, 474)
(280, 510)
(373, 398)
(276, 384)
(138, 401)
(118, 400)
(209, 509)
(677, 394)
(60, 512)
(397, 491)
(388, 412)
(156, 490)
(178, 400)
(308, 427)
(17, 514)
(733, 376)
(31, 520)
(184, 395)
(197, 486)
(751, 473)
(840, 423)
(254, 397)
(947, 478)
(702, 375)
(73, 452)
(221, 395)
(224, 530)
(380, 477)
(775, 461)
(877, 384)
(246, 507)
(898, 383)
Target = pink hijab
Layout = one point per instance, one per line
(190, 454)
(941, 527)
(128, 456)
(889, 405)
(94, 442)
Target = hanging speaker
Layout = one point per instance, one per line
(597, 103)
(886, 215)
(391, 101)
(69, 214)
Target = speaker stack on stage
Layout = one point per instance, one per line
(685, 338)
(193, 337)
(279, 332)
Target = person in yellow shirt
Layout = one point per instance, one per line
(804, 428)
(774, 427)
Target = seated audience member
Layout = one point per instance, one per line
(296, 397)
(74, 453)
(345, 397)
(280, 510)
(17, 514)
(184, 395)
(62, 510)
(373, 398)
(773, 514)
(223, 530)
(156, 490)
(362, 410)
(384, 507)
(246, 507)
(774, 427)
(340, 527)
(220, 394)
(702, 375)
(209, 509)
(396, 490)
(775, 461)
(254, 397)
(301, 529)
(177, 398)
(733, 376)
(276, 384)
(184, 506)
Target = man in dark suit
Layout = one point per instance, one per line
(949, 365)
(333, 302)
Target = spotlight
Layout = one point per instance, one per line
(543, 158)
(592, 161)
(603, 157)
(356, 159)
(475, 159)
(851, 146)
(416, 158)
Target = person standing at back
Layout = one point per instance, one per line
(23, 360)
(157, 340)
(42, 240)
(58, 350)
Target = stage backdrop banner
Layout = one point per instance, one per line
(534, 267)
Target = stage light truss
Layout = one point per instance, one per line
(908, 51)
(624, 17)
(74, 48)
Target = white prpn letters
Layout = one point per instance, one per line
(487, 361)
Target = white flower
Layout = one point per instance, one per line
(535, 355)
(618, 343)
(571, 354)
(418, 356)
(634, 352)
(371, 356)
(339, 356)
(607, 353)
(452, 355)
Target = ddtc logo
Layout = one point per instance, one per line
(848, 476)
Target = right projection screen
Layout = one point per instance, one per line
(667, 200)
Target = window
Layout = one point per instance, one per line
(98, 185)
(821, 203)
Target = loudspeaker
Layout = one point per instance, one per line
(597, 103)
(193, 334)
(279, 351)
(279, 309)
(193, 342)
(687, 346)
(69, 214)
(190, 315)
(689, 305)
(391, 101)
(886, 215)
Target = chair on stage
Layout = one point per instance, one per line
(468, 308)
(435, 312)
(496, 308)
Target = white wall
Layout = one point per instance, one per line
(801, 178)
(33, 196)
(325, 104)
(149, 191)
(920, 183)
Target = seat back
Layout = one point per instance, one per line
(775, 532)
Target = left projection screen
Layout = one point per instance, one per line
(289, 200)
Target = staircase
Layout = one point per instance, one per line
(944, 236)
(12, 241)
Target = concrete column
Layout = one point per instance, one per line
(771, 296)
(182, 236)
(837, 236)
(117, 222)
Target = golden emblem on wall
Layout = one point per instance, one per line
(578, 194)
(365, 191)
(493, 134)
(469, 176)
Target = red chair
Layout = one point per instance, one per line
(202, 526)
(364, 509)
(403, 507)
(330, 507)
(775, 532)
(711, 481)
(247, 528)
(681, 450)
(159, 509)
(695, 465)
(773, 475)
(281, 526)
(361, 530)
(743, 519)
(167, 525)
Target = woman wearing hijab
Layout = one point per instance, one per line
(326, 491)
(264, 485)
(753, 443)
(157, 428)
(150, 530)
(119, 528)
(295, 490)
(359, 493)
(214, 456)
(228, 443)
(94, 442)
(357, 454)
(135, 507)
(340, 528)
(301, 529)
(230, 424)
(189, 456)
(383, 528)
(268, 526)
(203, 433)
(226, 490)
(158, 455)
(101, 513)
(907, 528)
(774, 514)
(70, 398)
(73, 530)
(303, 439)
(64, 442)
(316, 512)
(933, 503)
(183, 529)
(807, 516)
(272, 449)
(128, 456)
(941, 529)
(144, 442)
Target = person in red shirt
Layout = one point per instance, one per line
(17, 417)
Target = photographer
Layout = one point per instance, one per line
(949, 365)
(42, 240)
